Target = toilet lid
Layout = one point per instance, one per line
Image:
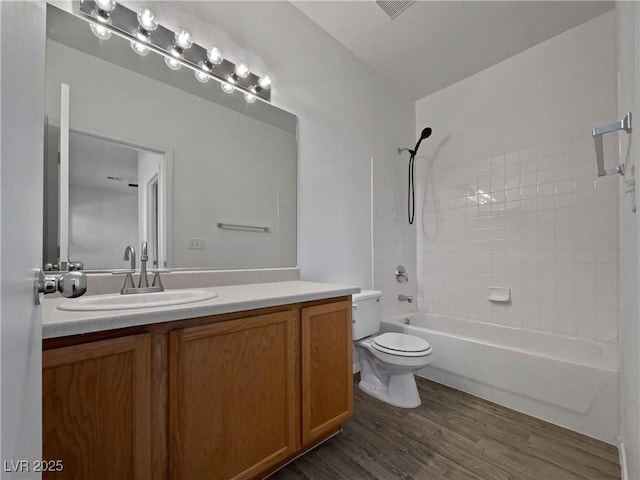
(401, 344)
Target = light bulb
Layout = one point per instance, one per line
(172, 63)
(242, 70)
(214, 55)
(265, 82)
(139, 48)
(250, 97)
(183, 38)
(106, 5)
(100, 31)
(227, 87)
(147, 20)
(202, 76)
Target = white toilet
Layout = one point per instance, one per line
(387, 360)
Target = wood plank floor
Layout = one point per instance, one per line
(452, 435)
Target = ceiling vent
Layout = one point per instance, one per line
(393, 8)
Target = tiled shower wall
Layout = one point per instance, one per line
(535, 220)
(508, 194)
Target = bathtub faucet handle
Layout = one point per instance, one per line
(401, 274)
(405, 298)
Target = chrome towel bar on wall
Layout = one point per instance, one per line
(248, 228)
(598, 132)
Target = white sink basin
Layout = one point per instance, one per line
(138, 300)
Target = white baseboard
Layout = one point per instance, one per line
(624, 473)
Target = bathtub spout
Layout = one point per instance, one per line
(405, 298)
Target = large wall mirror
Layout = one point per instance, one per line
(138, 152)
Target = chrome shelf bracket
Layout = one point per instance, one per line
(598, 132)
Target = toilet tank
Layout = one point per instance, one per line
(367, 313)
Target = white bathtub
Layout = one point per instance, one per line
(563, 380)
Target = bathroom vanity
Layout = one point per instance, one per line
(231, 387)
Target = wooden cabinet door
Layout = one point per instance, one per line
(327, 369)
(96, 409)
(232, 397)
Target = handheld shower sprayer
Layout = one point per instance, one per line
(411, 198)
(426, 133)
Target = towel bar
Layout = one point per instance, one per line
(250, 228)
(598, 132)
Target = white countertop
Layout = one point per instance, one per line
(232, 298)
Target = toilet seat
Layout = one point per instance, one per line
(401, 344)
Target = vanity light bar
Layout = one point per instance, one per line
(123, 22)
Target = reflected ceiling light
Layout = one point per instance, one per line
(250, 97)
(101, 31)
(140, 48)
(202, 77)
(228, 86)
(172, 63)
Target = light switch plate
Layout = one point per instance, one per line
(196, 244)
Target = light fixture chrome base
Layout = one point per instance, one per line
(123, 21)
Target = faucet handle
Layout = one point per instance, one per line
(128, 286)
(157, 282)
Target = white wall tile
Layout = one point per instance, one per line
(531, 210)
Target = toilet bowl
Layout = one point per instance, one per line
(387, 360)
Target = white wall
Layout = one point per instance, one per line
(628, 18)
(101, 224)
(517, 203)
(21, 174)
(347, 115)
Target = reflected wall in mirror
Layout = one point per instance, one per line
(153, 155)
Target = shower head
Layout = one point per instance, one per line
(426, 133)
(411, 201)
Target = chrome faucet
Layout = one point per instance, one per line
(144, 258)
(129, 252)
(143, 283)
(405, 298)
